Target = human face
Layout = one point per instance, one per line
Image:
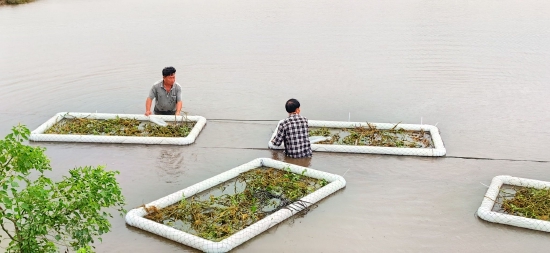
(169, 80)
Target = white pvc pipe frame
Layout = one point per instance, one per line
(38, 133)
(438, 150)
(135, 216)
(485, 210)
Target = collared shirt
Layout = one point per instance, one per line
(165, 101)
(293, 131)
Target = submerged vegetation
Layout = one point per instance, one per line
(371, 136)
(14, 2)
(120, 127)
(239, 203)
(527, 202)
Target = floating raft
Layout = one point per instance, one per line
(135, 217)
(486, 212)
(39, 133)
(437, 150)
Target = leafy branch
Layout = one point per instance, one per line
(46, 215)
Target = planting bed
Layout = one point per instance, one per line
(376, 138)
(517, 202)
(222, 212)
(119, 128)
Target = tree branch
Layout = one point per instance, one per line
(8, 162)
(8, 233)
(5, 230)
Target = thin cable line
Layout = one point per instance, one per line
(447, 157)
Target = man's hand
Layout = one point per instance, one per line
(179, 105)
(148, 106)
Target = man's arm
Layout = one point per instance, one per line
(178, 107)
(279, 137)
(152, 95)
(179, 102)
(148, 106)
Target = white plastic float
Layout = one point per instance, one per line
(135, 216)
(438, 150)
(38, 133)
(486, 212)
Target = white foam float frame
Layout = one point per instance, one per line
(135, 217)
(438, 150)
(38, 133)
(485, 210)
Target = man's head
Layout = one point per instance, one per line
(292, 106)
(169, 75)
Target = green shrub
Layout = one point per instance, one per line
(40, 215)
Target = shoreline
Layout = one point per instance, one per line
(17, 2)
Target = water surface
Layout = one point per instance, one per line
(477, 69)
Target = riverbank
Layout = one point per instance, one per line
(14, 2)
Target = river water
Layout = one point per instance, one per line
(477, 69)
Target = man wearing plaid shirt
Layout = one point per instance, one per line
(293, 131)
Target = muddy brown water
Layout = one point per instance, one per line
(478, 69)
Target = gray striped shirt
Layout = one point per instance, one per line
(165, 101)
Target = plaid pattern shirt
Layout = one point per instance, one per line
(293, 131)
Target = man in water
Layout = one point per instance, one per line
(293, 131)
(167, 94)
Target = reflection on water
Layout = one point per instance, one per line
(170, 163)
(280, 156)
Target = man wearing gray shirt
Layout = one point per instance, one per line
(167, 94)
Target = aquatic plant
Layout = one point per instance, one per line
(527, 202)
(120, 127)
(323, 131)
(256, 194)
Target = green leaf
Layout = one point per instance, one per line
(14, 184)
(57, 237)
(6, 200)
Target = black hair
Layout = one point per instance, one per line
(168, 71)
(291, 105)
